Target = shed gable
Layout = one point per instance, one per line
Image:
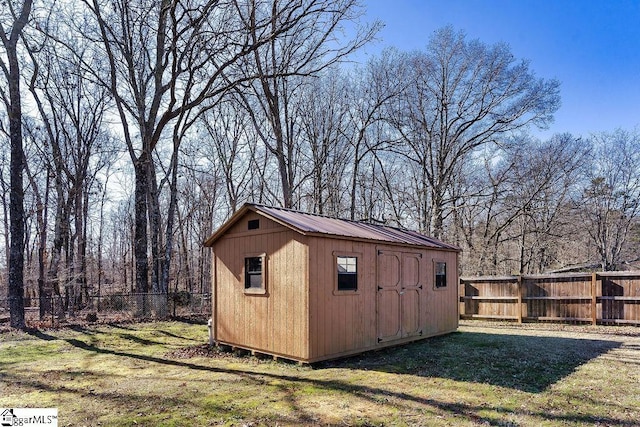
(253, 223)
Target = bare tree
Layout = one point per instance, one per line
(519, 211)
(201, 194)
(324, 108)
(463, 95)
(229, 141)
(610, 201)
(169, 57)
(374, 90)
(281, 67)
(74, 147)
(482, 185)
(545, 178)
(11, 27)
(42, 205)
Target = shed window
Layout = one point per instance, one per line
(441, 274)
(253, 224)
(253, 273)
(347, 273)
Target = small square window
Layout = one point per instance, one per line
(253, 273)
(441, 274)
(253, 224)
(347, 273)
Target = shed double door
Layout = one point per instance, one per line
(399, 295)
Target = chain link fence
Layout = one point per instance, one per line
(56, 310)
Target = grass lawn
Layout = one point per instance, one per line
(161, 374)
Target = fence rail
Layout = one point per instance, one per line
(111, 308)
(596, 298)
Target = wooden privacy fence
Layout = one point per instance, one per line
(597, 298)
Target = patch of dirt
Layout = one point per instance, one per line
(222, 352)
(201, 350)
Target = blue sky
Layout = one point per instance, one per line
(592, 47)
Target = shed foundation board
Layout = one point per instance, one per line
(399, 343)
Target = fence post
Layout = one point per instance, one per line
(594, 315)
(520, 298)
(461, 300)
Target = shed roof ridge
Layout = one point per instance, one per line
(260, 205)
(318, 223)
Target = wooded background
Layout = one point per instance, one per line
(131, 129)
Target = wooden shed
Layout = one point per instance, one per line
(309, 288)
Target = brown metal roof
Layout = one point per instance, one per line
(306, 223)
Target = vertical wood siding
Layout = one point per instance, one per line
(407, 307)
(276, 322)
(340, 321)
(441, 304)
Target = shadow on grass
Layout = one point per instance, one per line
(41, 335)
(172, 335)
(300, 414)
(90, 333)
(525, 363)
(82, 329)
(120, 326)
(191, 320)
(138, 340)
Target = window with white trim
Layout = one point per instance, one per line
(441, 274)
(347, 273)
(253, 273)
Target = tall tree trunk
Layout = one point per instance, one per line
(16, 193)
(153, 211)
(78, 249)
(437, 216)
(44, 290)
(5, 218)
(354, 181)
(44, 293)
(83, 249)
(140, 227)
(140, 234)
(173, 203)
(60, 236)
(16, 201)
